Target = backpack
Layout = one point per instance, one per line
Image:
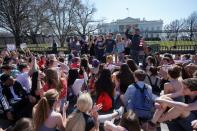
(156, 89)
(144, 104)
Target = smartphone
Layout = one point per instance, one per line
(66, 103)
(62, 103)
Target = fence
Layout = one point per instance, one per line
(181, 48)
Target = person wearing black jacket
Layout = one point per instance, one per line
(135, 46)
(18, 98)
(110, 44)
(5, 111)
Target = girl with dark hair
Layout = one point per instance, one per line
(99, 48)
(54, 82)
(154, 80)
(80, 83)
(125, 78)
(132, 65)
(84, 64)
(101, 67)
(34, 89)
(105, 90)
(73, 74)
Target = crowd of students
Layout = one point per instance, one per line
(103, 87)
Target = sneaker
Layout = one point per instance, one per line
(120, 111)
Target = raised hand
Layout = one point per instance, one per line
(96, 108)
(194, 124)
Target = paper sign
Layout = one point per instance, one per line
(11, 47)
(181, 61)
(23, 46)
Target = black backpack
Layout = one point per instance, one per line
(155, 88)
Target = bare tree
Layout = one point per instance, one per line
(168, 31)
(36, 20)
(175, 27)
(12, 16)
(191, 24)
(84, 22)
(61, 16)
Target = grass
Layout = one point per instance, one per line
(171, 43)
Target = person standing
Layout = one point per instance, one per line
(119, 48)
(91, 43)
(84, 45)
(54, 46)
(99, 48)
(75, 46)
(135, 46)
(127, 45)
(110, 44)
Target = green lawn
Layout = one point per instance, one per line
(172, 43)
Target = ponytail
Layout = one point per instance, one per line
(40, 113)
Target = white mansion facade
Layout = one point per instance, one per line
(148, 29)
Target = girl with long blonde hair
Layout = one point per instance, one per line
(120, 48)
(45, 116)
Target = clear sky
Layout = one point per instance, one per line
(167, 10)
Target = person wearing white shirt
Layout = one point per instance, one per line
(23, 78)
(77, 86)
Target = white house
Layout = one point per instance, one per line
(149, 29)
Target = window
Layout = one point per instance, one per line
(121, 28)
(146, 35)
(147, 29)
(151, 35)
